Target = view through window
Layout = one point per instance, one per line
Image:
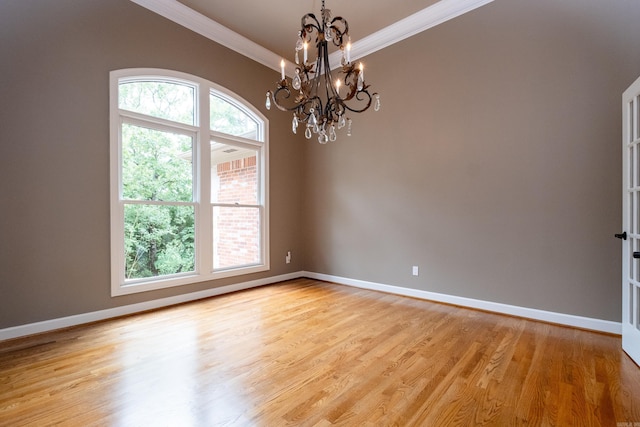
(179, 216)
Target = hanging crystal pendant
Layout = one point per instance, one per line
(332, 133)
(299, 42)
(342, 122)
(312, 117)
(323, 138)
(376, 106)
(327, 33)
(326, 14)
(267, 103)
(299, 47)
(294, 123)
(307, 132)
(296, 82)
(348, 127)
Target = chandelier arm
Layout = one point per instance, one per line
(339, 33)
(359, 96)
(282, 94)
(302, 109)
(277, 99)
(350, 80)
(335, 108)
(308, 24)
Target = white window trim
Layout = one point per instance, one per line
(202, 160)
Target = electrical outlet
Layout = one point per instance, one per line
(287, 258)
(415, 270)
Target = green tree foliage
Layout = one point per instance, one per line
(157, 167)
(159, 240)
(165, 100)
(228, 118)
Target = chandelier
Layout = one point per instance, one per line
(315, 98)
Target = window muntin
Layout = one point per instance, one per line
(171, 225)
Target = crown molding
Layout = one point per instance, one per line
(197, 22)
(436, 14)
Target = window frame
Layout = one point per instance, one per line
(203, 206)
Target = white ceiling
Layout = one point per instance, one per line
(265, 31)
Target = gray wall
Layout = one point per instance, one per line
(55, 58)
(494, 164)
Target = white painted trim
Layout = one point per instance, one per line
(599, 325)
(570, 320)
(197, 22)
(436, 14)
(79, 319)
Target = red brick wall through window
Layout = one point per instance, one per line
(236, 228)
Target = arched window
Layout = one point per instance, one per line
(188, 182)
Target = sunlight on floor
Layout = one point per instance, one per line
(162, 381)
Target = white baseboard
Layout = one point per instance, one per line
(528, 313)
(79, 319)
(599, 325)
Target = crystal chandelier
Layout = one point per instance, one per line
(314, 97)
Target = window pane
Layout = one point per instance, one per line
(234, 177)
(236, 237)
(171, 101)
(156, 165)
(158, 240)
(228, 118)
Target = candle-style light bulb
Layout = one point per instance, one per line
(282, 69)
(338, 87)
(306, 45)
(349, 52)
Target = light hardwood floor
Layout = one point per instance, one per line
(310, 353)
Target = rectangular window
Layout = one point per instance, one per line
(235, 197)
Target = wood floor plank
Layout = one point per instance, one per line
(312, 353)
